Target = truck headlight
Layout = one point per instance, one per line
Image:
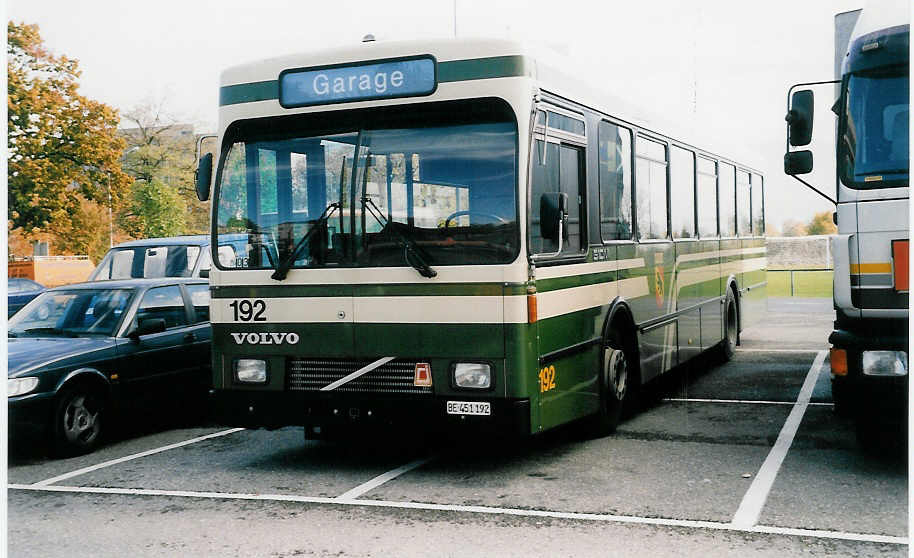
(472, 375)
(20, 386)
(251, 371)
(885, 363)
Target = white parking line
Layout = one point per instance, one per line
(657, 521)
(743, 402)
(381, 479)
(85, 470)
(754, 500)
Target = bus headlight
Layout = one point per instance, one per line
(472, 375)
(20, 386)
(251, 371)
(885, 363)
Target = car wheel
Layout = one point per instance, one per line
(78, 420)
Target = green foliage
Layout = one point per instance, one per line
(160, 150)
(154, 209)
(63, 148)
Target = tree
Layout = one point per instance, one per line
(821, 223)
(63, 147)
(794, 228)
(162, 150)
(154, 209)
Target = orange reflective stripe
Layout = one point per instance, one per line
(871, 268)
(900, 259)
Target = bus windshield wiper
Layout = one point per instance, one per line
(284, 266)
(411, 252)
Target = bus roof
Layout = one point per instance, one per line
(550, 71)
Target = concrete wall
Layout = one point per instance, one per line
(799, 252)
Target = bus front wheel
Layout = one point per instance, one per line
(618, 382)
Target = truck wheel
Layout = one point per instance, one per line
(842, 397)
(78, 420)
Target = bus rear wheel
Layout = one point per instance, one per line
(731, 327)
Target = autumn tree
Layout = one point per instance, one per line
(821, 223)
(63, 148)
(160, 154)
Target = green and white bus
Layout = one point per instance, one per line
(457, 234)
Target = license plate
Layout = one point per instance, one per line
(482, 408)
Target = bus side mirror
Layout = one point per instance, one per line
(203, 176)
(798, 162)
(799, 118)
(553, 215)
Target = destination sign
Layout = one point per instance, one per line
(342, 84)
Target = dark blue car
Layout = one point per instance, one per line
(19, 291)
(79, 353)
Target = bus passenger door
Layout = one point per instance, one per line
(567, 309)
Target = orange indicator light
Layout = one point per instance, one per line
(423, 377)
(531, 309)
(838, 362)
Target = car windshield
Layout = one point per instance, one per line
(71, 313)
(147, 261)
(378, 187)
(874, 144)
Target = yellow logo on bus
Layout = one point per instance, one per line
(658, 285)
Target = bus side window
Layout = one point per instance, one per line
(682, 192)
(650, 189)
(615, 182)
(726, 190)
(743, 217)
(758, 204)
(707, 198)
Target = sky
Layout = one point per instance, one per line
(719, 70)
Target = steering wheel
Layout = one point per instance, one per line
(492, 216)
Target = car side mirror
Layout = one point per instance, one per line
(554, 215)
(203, 176)
(147, 326)
(799, 118)
(798, 162)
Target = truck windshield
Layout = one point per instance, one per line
(434, 183)
(873, 147)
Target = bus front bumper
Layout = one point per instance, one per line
(270, 409)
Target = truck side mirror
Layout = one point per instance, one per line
(799, 118)
(798, 162)
(203, 176)
(553, 215)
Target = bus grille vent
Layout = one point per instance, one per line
(311, 374)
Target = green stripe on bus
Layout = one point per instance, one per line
(454, 70)
(248, 92)
(443, 289)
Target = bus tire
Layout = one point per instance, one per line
(618, 381)
(731, 327)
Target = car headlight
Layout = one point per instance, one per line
(885, 363)
(472, 375)
(20, 386)
(251, 370)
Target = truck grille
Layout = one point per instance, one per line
(311, 374)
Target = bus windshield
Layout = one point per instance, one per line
(873, 149)
(376, 187)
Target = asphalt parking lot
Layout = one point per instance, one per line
(746, 457)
